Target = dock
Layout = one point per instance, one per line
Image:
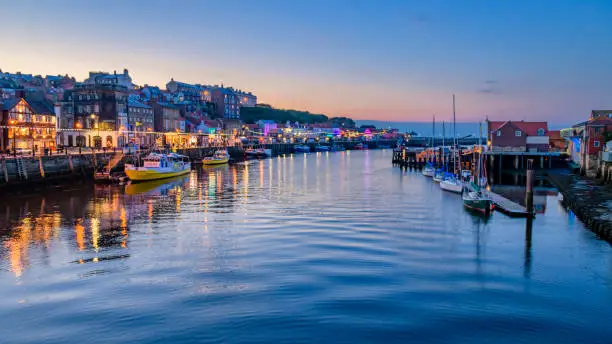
(507, 206)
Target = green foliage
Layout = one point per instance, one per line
(251, 115)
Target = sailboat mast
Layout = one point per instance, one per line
(443, 144)
(479, 152)
(454, 138)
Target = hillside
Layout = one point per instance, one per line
(253, 114)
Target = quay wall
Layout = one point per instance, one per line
(589, 200)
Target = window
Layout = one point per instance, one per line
(518, 133)
(499, 133)
(541, 132)
(596, 144)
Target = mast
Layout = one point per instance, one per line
(479, 153)
(454, 139)
(443, 144)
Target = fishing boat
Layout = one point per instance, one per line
(473, 197)
(159, 166)
(220, 157)
(321, 148)
(258, 153)
(301, 148)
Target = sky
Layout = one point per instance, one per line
(392, 60)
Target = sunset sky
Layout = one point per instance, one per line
(386, 60)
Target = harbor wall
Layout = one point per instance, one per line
(589, 200)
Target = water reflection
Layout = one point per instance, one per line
(290, 243)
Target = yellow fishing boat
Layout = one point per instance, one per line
(220, 157)
(159, 166)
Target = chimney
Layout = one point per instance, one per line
(125, 71)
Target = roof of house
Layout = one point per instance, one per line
(10, 103)
(41, 107)
(266, 121)
(530, 128)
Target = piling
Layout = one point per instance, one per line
(529, 187)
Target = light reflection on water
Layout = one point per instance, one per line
(334, 246)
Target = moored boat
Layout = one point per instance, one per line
(476, 200)
(428, 170)
(220, 157)
(321, 148)
(438, 175)
(451, 183)
(159, 166)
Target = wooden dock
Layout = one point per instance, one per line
(507, 206)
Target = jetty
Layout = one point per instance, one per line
(506, 206)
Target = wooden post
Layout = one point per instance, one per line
(70, 164)
(529, 187)
(41, 167)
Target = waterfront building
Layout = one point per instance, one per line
(167, 117)
(518, 136)
(28, 125)
(227, 103)
(587, 141)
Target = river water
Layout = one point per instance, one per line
(325, 247)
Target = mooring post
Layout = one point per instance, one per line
(529, 187)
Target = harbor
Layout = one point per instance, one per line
(216, 241)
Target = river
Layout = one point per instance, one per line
(324, 247)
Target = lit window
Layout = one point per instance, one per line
(499, 133)
(596, 144)
(541, 132)
(518, 133)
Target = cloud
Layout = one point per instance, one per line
(491, 86)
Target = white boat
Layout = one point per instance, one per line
(159, 166)
(438, 176)
(451, 183)
(428, 171)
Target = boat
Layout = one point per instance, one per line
(257, 153)
(473, 198)
(301, 148)
(451, 183)
(360, 146)
(476, 200)
(428, 170)
(220, 157)
(337, 148)
(438, 175)
(159, 166)
(321, 148)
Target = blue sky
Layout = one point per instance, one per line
(386, 60)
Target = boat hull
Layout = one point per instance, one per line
(428, 172)
(483, 206)
(451, 187)
(144, 175)
(210, 162)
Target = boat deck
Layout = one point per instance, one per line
(507, 206)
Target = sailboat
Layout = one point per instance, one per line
(439, 173)
(474, 198)
(429, 170)
(451, 182)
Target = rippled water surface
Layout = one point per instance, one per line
(326, 247)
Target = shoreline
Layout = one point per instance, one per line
(592, 203)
